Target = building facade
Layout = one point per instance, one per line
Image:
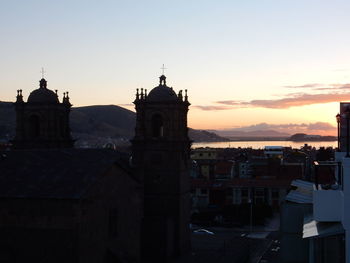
(257, 178)
(43, 121)
(161, 159)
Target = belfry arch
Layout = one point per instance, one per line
(157, 126)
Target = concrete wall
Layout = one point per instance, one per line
(294, 249)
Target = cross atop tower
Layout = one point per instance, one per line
(163, 68)
(42, 73)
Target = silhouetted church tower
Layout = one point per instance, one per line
(42, 121)
(161, 157)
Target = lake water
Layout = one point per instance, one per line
(262, 144)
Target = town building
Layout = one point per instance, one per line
(256, 177)
(296, 207)
(322, 230)
(273, 151)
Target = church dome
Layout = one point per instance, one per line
(162, 92)
(42, 94)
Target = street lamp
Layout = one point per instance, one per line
(347, 116)
(338, 129)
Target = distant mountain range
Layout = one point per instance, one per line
(96, 124)
(239, 134)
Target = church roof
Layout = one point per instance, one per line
(162, 92)
(43, 94)
(56, 174)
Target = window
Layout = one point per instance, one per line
(259, 192)
(204, 191)
(275, 194)
(236, 196)
(113, 222)
(34, 126)
(229, 192)
(157, 126)
(259, 196)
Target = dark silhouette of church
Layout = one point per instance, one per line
(61, 204)
(42, 121)
(161, 154)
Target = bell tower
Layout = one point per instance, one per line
(161, 158)
(42, 122)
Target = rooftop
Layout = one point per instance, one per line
(62, 174)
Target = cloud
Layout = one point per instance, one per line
(335, 93)
(311, 85)
(319, 86)
(294, 100)
(266, 126)
(322, 128)
(233, 103)
(341, 86)
(336, 87)
(211, 108)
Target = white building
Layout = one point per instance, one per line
(328, 230)
(273, 151)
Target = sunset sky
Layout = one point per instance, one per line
(283, 65)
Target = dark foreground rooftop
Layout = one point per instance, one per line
(62, 174)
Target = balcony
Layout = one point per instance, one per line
(328, 196)
(328, 205)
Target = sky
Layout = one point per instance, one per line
(255, 63)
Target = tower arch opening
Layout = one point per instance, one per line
(34, 126)
(157, 126)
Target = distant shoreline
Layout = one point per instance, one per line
(265, 140)
(260, 144)
(253, 139)
(278, 139)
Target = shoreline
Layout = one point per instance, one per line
(266, 140)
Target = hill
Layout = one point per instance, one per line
(239, 134)
(302, 137)
(205, 136)
(103, 121)
(7, 120)
(95, 124)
